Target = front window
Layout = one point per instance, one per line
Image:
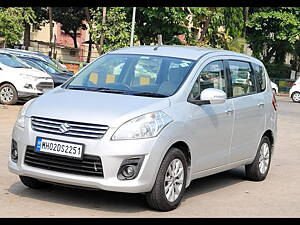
(12, 61)
(154, 76)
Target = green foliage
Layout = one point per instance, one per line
(272, 30)
(278, 70)
(116, 29)
(233, 21)
(151, 21)
(12, 21)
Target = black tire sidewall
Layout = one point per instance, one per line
(170, 156)
(261, 176)
(293, 96)
(15, 97)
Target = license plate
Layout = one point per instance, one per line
(56, 147)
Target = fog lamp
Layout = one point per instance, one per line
(14, 151)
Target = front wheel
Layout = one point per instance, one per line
(296, 97)
(259, 168)
(8, 94)
(170, 183)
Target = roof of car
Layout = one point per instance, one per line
(20, 52)
(178, 51)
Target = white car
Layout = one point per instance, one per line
(20, 81)
(274, 87)
(295, 91)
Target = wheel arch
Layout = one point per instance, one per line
(7, 82)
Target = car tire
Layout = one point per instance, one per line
(34, 183)
(8, 94)
(259, 168)
(157, 199)
(296, 97)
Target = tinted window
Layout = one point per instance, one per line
(212, 76)
(260, 76)
(242, 79)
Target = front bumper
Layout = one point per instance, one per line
(112, 154)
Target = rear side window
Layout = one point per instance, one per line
(260, 76)
(242, 79)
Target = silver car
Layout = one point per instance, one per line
(149, 119)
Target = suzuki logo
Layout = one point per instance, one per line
(64, 128)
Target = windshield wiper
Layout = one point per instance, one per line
(149, 94)
(102, 89)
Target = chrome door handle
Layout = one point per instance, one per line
(229, 111)
(261, 105)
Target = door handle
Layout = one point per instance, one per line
(229, 111)
(261, 105)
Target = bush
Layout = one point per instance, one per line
(278, 70)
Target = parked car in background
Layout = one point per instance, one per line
(20, 81)
(40, 56)
(58, 76)
(274, 87)
(295, 91)
(149, 119)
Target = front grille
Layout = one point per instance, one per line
(44, 85)
(68, 128)
(89, 165)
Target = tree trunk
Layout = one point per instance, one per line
(246, 16)
(88, 59)
(102, 35)
(88, 19)
(204, 30)
(51, 28)
(74, 37)
(26, 41)
(206, 24)
(269, 55)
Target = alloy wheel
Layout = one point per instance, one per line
(174, 178)
(6, 94)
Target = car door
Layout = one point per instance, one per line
(211, 124)
(249, 110)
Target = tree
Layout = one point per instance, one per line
(273, 32)
(112, 28)
(71, 20)
(12, 21)
(151, 21)
(39, 20)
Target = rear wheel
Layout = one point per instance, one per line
(296, 96)
(33, 183)
(259, 168)
(8, 94)
(170, 183)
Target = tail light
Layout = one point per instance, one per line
(274, 102)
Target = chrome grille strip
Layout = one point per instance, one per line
(68, 128)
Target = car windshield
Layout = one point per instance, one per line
(48, 67)
(12, 61)
(153, 76)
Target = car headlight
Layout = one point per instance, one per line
(21, 116)
(145, 126)
(29, 77)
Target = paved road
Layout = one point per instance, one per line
(227, 194)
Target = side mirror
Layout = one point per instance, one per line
(213, 95)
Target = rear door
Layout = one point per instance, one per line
(249, 109)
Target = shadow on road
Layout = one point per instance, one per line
(122, 202)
